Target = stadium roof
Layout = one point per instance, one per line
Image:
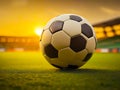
(108, 22)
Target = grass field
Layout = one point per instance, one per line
(30, 71)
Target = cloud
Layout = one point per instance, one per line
(109, 10)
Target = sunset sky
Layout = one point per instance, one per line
(21, 17)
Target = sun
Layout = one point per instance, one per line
(38, 31)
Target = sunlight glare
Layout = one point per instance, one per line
(38, 31)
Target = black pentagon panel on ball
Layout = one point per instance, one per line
(72, 67)
(75, 18)
(56, 26)
(50, 51)
(88, 56)
(77, 43)
(87, 30)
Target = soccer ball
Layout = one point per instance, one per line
(68, 41)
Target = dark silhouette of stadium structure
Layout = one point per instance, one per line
(111, 22)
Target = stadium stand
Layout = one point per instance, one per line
(108, 28)
(108, 35)
(11, 43)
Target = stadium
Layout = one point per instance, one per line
(22, 65)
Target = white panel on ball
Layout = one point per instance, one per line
(42, 48)
(81, 55)
(63, 17)
(66, 55)
(72, 27)
(91, 44)
(46, 37)
(60, 40)
(57, 62)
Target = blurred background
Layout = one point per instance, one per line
(21, 21)
(23, 67)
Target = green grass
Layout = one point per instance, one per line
(30, 71)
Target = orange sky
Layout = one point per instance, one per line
(21, 17)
